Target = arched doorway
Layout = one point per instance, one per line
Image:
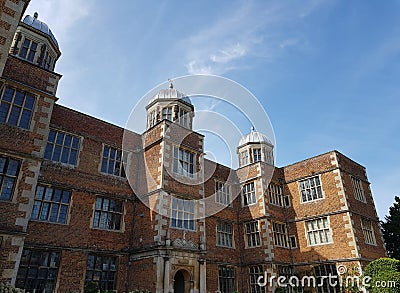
(181, 283)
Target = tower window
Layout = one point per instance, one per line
(183, 162)
(152, 118)
(182, 214)
(28, 50)
(368, 231)
(256, 155)
(183, 118)
(244, 158)
(249, 194)
(358, 189)
(16, 108)
(167, 113)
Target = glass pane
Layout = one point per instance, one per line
(54, 212)
(60, 138)
(73, 157)
(25, 119)
(75, 142)
(56, 153)
(57, 195)
(104, 165)
(8, 94)
(64, 156)
(35, 210)
(14, 116)
(66, 197)
(67, 141)
(19, 98)
(29, 102)
(4, 107)
(48, 194)
(45, 211)
(62, 217)
(12, 168)
(8, 185)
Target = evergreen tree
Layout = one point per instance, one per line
(391, 230)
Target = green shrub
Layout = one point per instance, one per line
(9, 289)
(383, 270)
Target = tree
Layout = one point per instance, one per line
(391, 230)
(384, 274)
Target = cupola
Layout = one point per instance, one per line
(255, 147)
(34, 42)
(172, 105)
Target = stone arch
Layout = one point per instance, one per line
(182, 281)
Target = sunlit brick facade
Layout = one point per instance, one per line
(69, 215)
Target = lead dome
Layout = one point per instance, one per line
(40, 25)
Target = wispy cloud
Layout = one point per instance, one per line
(251, 30)
(61, 15)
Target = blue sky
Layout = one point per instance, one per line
(326, 72)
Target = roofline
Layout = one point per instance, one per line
(27, 26)
(152, 102)
(323, 154)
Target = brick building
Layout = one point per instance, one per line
(75, 207)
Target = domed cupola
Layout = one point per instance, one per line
(35, 42)
(170, 104)
(255, 147)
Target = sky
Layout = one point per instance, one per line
(326, 72)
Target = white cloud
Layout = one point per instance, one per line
(60, 15)
(252, 29)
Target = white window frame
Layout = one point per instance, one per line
(276, 196)
(252, 234)
(184, 159)
(308, 187)
(182, 214)
(249, 194)
(358, 189)
(121, 160)
(244, 158)
(368, 231)
(70, 148)
(183, 117)
(292, 238)
(223, 193)
(320, 230)
(225, 234)
(257, 155)
(167, 113)
(280, 234)
(29, 49)
(254, 273)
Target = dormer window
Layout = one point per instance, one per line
(28, 50)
